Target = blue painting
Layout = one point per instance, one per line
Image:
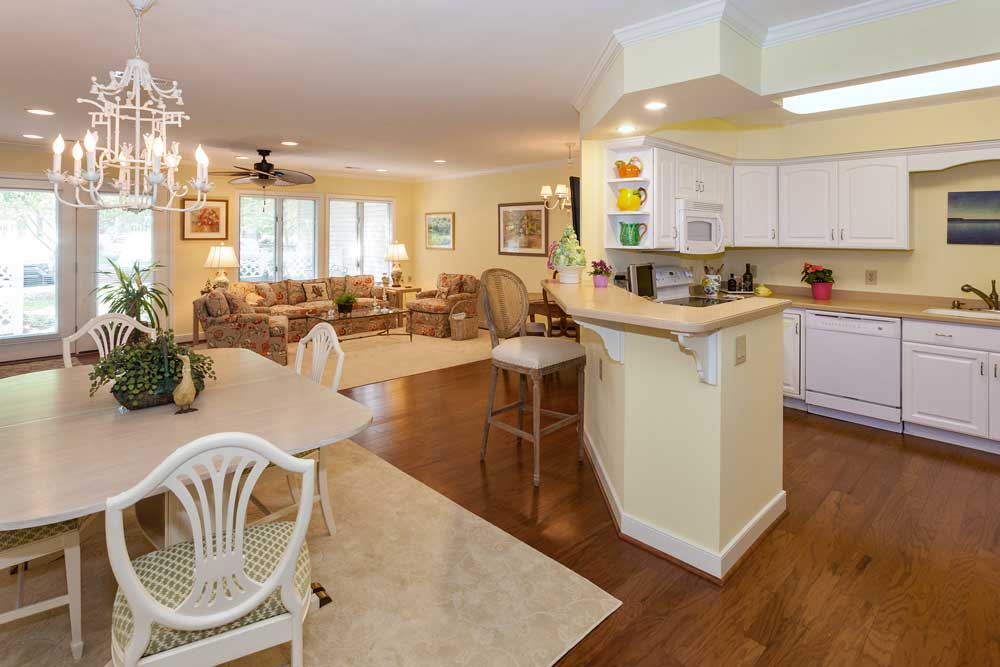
(974, 218)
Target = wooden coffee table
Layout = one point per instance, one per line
(388, 318)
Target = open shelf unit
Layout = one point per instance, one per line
(624, 150)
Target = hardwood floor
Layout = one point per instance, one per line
(889, 554)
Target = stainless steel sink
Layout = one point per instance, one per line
(972, 314)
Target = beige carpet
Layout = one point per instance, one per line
(415, 580)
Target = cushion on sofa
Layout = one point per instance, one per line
(243, 289)
(237, 304)
(301, 310)
(430, 305)
(364, 302)
(216, 303)
(296, 293)
(470, 283)
(361, 286)
(267, 293)
(336, 285)
(316, 291)
(448, 284)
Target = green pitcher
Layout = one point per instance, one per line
(630, 234)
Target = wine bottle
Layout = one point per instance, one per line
(748, 280)
(731, 284)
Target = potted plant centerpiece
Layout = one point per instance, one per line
(819, 279)
(567, 256)
(601, 271)
(345, 303)
(134, 293)
(145, 373)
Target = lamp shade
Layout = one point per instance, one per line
(396, 253)
(222, 257)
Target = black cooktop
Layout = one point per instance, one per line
(697, 301)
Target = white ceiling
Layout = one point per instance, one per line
(394, 84)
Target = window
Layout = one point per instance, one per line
(29, 238)
(123, 238)
(277, 238)
(360, 232)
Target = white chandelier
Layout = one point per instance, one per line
(561, 197)
(134, 149)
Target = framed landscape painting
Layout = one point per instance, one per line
(974, 217)
(439, 230)
(209, 222)
(523, 229)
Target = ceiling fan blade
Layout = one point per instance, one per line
(244, 180)
(227, 173)
(294, 177)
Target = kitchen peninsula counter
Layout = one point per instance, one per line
(683, 420)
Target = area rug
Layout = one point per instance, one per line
(415, 580)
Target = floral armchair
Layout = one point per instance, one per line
(229, 322)
(430, 310)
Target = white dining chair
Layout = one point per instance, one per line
(231, 591)
(108, 331)
(17, 547)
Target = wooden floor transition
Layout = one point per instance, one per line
(889, 554)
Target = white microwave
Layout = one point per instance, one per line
(699, 228)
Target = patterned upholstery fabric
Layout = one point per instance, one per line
(361, 286)
(316, 291)
(237, 304)
(216, 303)
(16, 538)
(337, 285)
(243, 289)
(266, 292)
(260, 332)
(296, 293)
(429, 312)
(168, 576)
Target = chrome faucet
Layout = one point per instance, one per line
(992, 299)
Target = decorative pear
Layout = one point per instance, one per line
(185, 392)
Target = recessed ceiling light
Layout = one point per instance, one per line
(626, 129)
(289, 143)
(41, 112)
(656, 106)
(381, 171)
(439, 161)
(926, 84)
(240, 157)
(32, 136)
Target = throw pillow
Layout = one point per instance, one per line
(254, 299)
(266, 292)
(316, 291)
(237, 304)
(361, 286)
(216, 303)
(448, 284)
(296, 293)
(470, 283)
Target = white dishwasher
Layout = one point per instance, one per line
(853, 366)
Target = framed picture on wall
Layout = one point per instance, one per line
(439, 231)
(974, 217)
(523, 229)
(209, 222)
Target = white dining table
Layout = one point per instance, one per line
(63, 453)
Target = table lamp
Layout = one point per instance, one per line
(221, 257)
(396, 254)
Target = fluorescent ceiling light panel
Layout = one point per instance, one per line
(32, 136)
(656, 106)
(439, 161)
(41, 112)
(926, 84)
(289, 143)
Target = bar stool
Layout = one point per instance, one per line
(505, 302)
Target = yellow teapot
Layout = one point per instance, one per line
(631, 200)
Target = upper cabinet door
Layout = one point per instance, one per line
(873, 206)
(688, 177)
(807, 205)
(712, 174)
(664, 208)
(755, 202)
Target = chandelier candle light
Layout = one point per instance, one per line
(132, 114)
(560, 198)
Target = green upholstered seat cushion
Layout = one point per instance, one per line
(168, 576)
(15, 538)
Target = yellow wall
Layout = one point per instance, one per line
(474, 200)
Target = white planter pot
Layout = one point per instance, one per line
(569, 274)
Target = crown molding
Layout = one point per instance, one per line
(743, 23)
(839, 19)
(612, 49)
(682, 19)
(497, 170)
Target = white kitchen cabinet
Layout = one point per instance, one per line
(712, 175)
(700, 180)
(993, 371)
(792, 384)
(688, 182)
(807, 205)
(873, 203)
(665, 211)
(755, 201)
(946, 388)
(727, 206)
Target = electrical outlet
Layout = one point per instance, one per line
(871, 277)
(741, 349)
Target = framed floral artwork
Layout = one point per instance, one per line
(439, 231)
(209, 222)
(523, 229)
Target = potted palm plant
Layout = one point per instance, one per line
(134, 293)
(345, 303)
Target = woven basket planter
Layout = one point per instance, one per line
(464, 328)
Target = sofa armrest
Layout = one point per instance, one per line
(427, 294)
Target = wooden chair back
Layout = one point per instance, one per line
(323, 338)
(505, 302)
(108, 331)
(222, 591)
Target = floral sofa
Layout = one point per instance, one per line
(431, 309)
(231, 322)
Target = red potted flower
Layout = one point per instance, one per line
(820, 279)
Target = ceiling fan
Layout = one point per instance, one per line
(266, 174)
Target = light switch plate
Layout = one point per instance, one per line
(741, 349)
(871, 277)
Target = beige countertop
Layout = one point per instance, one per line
(884, 305)
(614, 304)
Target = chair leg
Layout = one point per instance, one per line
(75, 598)
(580, 375)
(19, 590)
(293, 488)
(536, 418)
(297, 643)
(489, 411)
(521, 391)
(324, 493)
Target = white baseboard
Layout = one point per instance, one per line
(960, 439)
(796, 404)
(709, 562)
(895, 427)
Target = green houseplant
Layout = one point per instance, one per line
(144, 374)
(819, 279)
(345, 302)
(133, 293)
